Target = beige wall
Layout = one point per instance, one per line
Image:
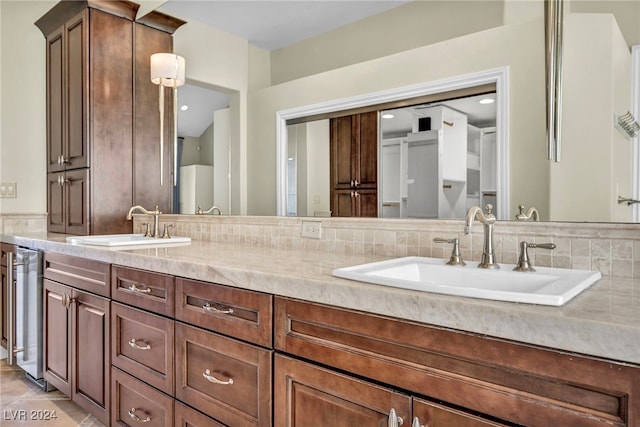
(405, 27)
(23, 121)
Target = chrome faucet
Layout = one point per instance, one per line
(214, 208)
(532, 213)
(156, 216)
(488, 220)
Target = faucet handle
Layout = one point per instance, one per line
(523, 258)
(165, 231)
(147, 233)
(456, 257)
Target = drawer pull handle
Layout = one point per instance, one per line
(212, 379)
(134, 344)
(132, 414)
(137, 290)
(211, 309)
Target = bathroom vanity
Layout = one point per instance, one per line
(228, 334)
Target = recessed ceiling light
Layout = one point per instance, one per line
(184, 108)
(487, 101)
(388, 116)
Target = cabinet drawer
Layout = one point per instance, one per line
(86, 274)
(226, 379)
(142, 345)
(134, 403)
(508, 381)
(143, 289)
(239, 313)
(189, 417)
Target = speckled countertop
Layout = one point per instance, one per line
(603, 321)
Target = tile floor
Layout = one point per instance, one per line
(22, 404)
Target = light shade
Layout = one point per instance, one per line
(167, 69)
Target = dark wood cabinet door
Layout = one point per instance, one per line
(354, 165)
(367, 151)
(343, 150)
(76, 196)
(55, 101)
(137, 404)
(55, 203)
(142, 345)
(90, 361)
(76, 67)
(56, 336)
(226, 379)
(306, 395)
(188, 417)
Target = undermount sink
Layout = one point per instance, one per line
(118, 240)
(546, 286)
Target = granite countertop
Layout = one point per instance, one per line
(603, 321)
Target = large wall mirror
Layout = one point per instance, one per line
(421, 42)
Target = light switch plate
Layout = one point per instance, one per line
(8, 189)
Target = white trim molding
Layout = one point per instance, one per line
(499, 77)
(635, 106)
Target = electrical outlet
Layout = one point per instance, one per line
(8, 189)
(312, 229)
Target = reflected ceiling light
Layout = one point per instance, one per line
(487, 101)
(387, 116)
(184, 108)
(167, 70)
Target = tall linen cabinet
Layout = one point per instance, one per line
(102, 115)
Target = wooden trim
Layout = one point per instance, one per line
(65, 10)
(161, 21)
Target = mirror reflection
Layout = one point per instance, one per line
(429, 160)
(203, 150)
(455, 39)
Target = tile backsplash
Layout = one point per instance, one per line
(612, 249)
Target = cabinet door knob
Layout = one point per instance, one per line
(134, 344)
(135, 417)
(394, 419)
(212, 379)
(211, 309)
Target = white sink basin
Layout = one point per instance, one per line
(547, 286)
(118, 240)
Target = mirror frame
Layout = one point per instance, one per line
(499, 77)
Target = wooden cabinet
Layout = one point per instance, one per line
(135, 403)
(76, 333)
(238, 313)
(227, 379)
(68, 202)
(310, 396)
(143, 289)
(354, 165)
(95, 51)
(142, 345)
(474, 379)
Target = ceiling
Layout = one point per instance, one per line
(270, 25)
